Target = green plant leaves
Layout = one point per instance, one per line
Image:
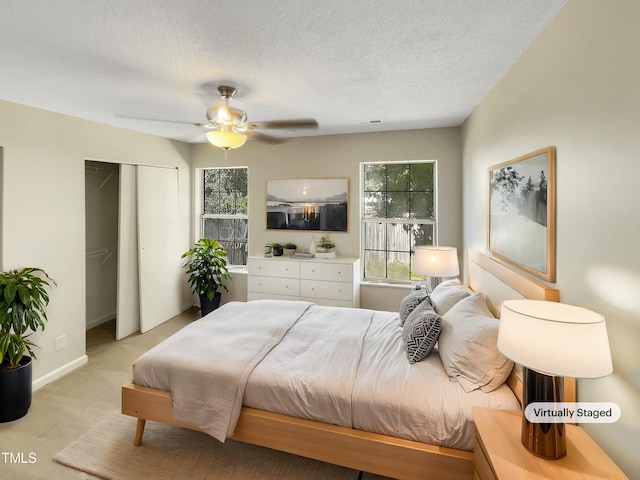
(23, 302)
(206, 267)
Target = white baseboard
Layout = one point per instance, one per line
(99, 321)
(59, 372)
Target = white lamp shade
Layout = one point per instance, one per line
(555, 338)
(226, 139)
(436, 261)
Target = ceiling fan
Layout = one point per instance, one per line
(229, 128)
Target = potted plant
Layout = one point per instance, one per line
(207, 268)
(278, 249)
(289, 249)
(325, 248)
(23, 302)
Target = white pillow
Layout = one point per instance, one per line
(468, 346)
(447, 294)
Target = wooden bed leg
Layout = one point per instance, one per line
(139, 432)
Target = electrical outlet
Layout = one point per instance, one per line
(61, 342)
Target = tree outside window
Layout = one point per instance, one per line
(398, 205)
(225, 214)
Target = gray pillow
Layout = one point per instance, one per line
(410, 302)
(420, 332)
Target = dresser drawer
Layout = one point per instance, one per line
(275, 285)
(328, 302)
(333, 272)
(269, 296)
(332, 290)
(274, 268)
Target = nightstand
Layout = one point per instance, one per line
(500, 455)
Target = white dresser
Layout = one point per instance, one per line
(333, 282)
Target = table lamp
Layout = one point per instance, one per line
(551, 340)
(434, 261)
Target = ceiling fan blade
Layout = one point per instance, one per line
(294, 123)
(253, 135)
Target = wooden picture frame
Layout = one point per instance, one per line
(522, 212)
(310, 204)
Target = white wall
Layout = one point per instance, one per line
(340, 156)
(43, 215)
(578, 88)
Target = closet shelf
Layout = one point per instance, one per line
(109, 171)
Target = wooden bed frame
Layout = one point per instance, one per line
(370, 452)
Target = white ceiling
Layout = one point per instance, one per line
(409, 63)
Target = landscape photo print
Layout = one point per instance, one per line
(522, 212)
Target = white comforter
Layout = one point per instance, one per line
(336, 365)
(206, 365)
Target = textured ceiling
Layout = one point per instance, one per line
(407, 63)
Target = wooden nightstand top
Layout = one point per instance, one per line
(499, 433)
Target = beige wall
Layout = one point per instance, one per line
(340, 156)
(43, 214)
(578, 88)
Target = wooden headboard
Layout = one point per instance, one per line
(497, 283)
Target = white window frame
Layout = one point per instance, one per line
(205, 216)
(410, 221)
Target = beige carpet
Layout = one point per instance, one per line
(166, 452)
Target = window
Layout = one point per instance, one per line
(224, 216)
(398, 213)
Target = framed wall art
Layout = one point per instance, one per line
(522, 207)
(320, 204)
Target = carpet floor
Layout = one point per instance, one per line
(107, 451)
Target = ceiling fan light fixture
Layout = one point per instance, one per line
(226, 139)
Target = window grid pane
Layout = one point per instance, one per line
(225, 191)
(404, 192)
(225, 206)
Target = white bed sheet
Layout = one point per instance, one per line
(415, 401)
(343, 366)
(309, 375)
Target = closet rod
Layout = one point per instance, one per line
(107, 253)
(98, 169)
(98, 252)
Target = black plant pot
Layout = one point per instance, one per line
(15, 391)
(278, 251)
(208, 306)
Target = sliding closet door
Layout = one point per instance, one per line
(128, 309)
(159, 247)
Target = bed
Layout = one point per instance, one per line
(331, 422)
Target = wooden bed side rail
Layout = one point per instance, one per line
(380, 454)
